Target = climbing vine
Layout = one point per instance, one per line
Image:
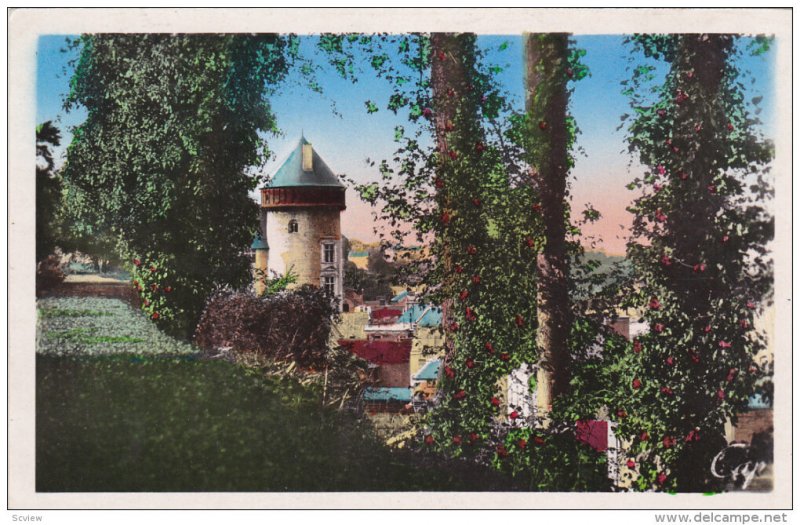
(699, 250)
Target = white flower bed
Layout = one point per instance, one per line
(99, 326)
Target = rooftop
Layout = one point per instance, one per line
(387, 394)
(291, 172)
(429, 372)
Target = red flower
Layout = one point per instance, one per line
(454, 326)
(453, 154)
(489, 347)
(631, 464)
(476, 279)
(667, 391)
(522, 443)
(536, 207)
(476, 202)
(530, 242)
(167, 289)
(445, 217)
(661, 169)
(654, 304)
(720, 394)
(725, 238)
(504, 356)
(724, 344)
(463, 295)
(662, 113)
(470, 315)
(479, 147)
(429, 439)
(731, 375)
(456, 440)
(744, 323)
(621, 413)
(668, 141)
(470, 363)
(692, 436)
(458, 268)
(495, 402)
(668, 441)
(730, 126)
(662, 478)
(659, 327)
(155, 316)
(501, 451)
(458, 396)
(427, 112)
(753, 369)
(519, 320)
(137, 262)
(698, 127)
(637, 346)
(439, 183)
(513, 415)
(699, 268)
(152, 269)
(542, 125)
(660, 216)
(670, 360)
(471, 249)
(707, 329)
(538, 440)
(658, 187)
(637, 384)
(154, 287)
(675, 149)
(440, 55)
(644, 436)
(751, 305)
(681, 97)
(473, 437)
(146, 302)
(449, 372)
(693, 355)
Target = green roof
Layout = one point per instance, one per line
(399, 297)
(402, 394)
(429, 372)
(291, 173)
(358, 254)
(259, 243)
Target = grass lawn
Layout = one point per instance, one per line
(121, 409)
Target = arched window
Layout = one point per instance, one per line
(292, 226)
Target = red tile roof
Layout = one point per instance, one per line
(380, 352)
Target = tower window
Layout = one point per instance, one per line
(292, 226)
(327, 253)
(330, 285)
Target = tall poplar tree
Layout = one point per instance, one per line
(161, 162)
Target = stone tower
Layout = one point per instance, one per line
(300, 214)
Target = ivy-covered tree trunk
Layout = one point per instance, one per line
(546, 57)
(699, 250)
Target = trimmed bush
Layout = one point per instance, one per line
(292, 325)
(48, 274)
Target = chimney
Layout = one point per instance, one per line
(308, 154)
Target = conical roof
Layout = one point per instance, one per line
(291, 173)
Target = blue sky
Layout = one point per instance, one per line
(346, 140)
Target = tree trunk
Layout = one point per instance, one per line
(546, 100)
(449, 81)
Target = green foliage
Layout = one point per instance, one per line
(699, 251)
(160, 166)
